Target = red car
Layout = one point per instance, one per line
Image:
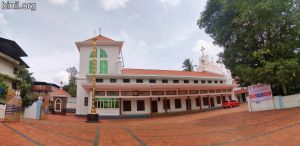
(231, 103)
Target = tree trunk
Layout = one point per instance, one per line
(284, 89)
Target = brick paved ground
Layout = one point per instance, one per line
(233, 126)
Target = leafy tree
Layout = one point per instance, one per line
(71, 88)
(260, 40)
(3, 88)
(25, 84)
(187, 65)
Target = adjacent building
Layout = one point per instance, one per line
(10, 61)
(54, 97)
(127, 91)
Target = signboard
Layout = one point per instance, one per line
(259, 92)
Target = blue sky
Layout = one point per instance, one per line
(157, 34)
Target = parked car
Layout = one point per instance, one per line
(230, 103)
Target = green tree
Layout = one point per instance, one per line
(260, 40)
(72, 87)
(25, 84)
(187, 65)
(3, 88)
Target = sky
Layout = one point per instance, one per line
(157, 34)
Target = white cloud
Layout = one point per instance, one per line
(113, 4)
(134, 16)
(2, 19)
(210, 49)
(74, 4)
(168, 3)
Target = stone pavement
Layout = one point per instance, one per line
(234, 126)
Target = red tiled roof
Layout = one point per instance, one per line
(241, 91)
(100, 38)
(60, 92)
(131, 71)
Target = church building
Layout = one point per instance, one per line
(124, 91)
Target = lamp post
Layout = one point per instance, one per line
(93, 117)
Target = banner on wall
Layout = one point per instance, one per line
(259, 92)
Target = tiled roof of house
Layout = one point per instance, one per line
(131, 71)
(60, 93)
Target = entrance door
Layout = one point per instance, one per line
(212, 103)
(188, 104)
(154, 106)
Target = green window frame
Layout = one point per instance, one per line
(91, 54)
(103, 66)
(91, 67)
(103, 54)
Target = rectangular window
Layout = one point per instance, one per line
(167, 104)
(177, 103)
(171, 93)
(195, 81)
(218, 91)
(209, 81)
(99, 80)
(140, 105)
(103, 67)
(182, 92)
(194, 91)
(126, 80)
(218, 100)
(86, 101)
(228, 90)
(205, 101)
(126, 105)
(152, 81)
(158, 93)
(112, 93)
(143, 93)
(164, 81)
(113, 80)
(212, 91)
(221, 82)
(203, 91)
(107, 103)
(139, 81)
(175, 81)
(126, 93)
(14, 85)
(224, 90)
(216, 82)
(99, 93)
(186, 81)
(202, 81)
(15, 71)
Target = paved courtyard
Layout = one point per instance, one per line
(233, 126)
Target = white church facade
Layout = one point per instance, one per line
(126, 91)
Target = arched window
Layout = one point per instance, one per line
(103, 62)
(57, 104)
(103, 54)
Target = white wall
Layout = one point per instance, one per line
(134, 107)
(112, 52)
(7, 68)
(2, 111)
(81, 94)
(30, 112)
(287, 102)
